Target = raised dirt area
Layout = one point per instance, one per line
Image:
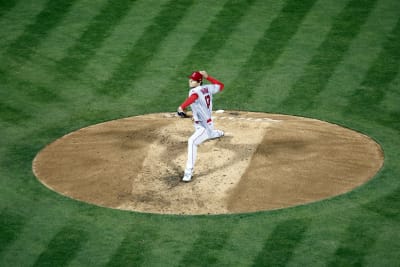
(265, 161)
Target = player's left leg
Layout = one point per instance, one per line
(198, 137)
(213, 133)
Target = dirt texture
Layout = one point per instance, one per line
(265, 161)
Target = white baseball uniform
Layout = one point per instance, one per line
(200, 100)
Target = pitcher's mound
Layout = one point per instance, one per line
(265, 161)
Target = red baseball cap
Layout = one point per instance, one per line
(196, 76)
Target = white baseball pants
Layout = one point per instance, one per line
(203, 132)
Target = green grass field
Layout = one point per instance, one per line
(65, 65)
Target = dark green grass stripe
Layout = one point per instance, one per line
(214, 38)
(267, 50)
(135, 247)
(18, 98)
(6, 5)
(63, 247)
(366, 99)
(330, 53)
(145, 48)
(280, 245)
(51, 15)
(13, 113)
(357, 241)
(10, 228)
(387, 206)
(204, 251)
(97, 31)
(17, 89)
(10, 112)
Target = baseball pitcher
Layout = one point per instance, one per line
(200, 101)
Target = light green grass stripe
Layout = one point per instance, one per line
(391, 99)
(135, 248)
(44, 223)
(266, 51)
(65, 36)
(176, 239)
(274, 85)
(49, 17)
(215, 37)
(386, 246)
(206, 249)
(329, 226)
(144, 49)
(330, 53)
(14, 22)
(365, 100)
(245, 242)
(205, 48)
(122, 39)
(62, 247)
(104, 238)
(227, 62)
(40, 69)
(165, 64)
(361, 54)
(356, 242)
(93, 36)
(281, 243)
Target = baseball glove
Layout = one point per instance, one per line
(182, 114)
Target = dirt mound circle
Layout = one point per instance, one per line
(265, 161)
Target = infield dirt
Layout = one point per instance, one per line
(265, 161)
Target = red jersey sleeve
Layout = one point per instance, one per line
(190, 100)
(215, 81)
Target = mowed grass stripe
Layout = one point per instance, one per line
(96, 32)
(281, 243)
(42, 221)
(356, 242)
(275, 84)
(145, 48)
(14, 22)
(51, 15)
(11, 224)
(206, 248)
(19, 106)
(63, 247)
(41, 68)
(166, 63)
(135, 248)
(121, 40)
(246, 240)
(6, 5)
(361, 54)
(215, 36)
(267, 50)
(330, 53)
(207, 46)
(366, 99)
(227, 62)
(65, 36)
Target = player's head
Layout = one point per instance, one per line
(195, 79)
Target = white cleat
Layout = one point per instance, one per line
(187, 177)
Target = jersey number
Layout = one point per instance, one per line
(208, 100)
